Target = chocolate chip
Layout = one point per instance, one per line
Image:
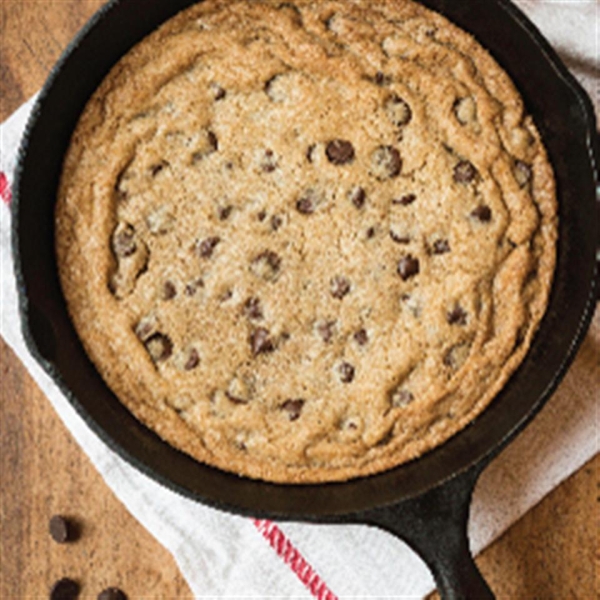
(346, 372)
(482, 213)
(308, 202)
(253, 308)
(293, 408)
(217, 91)
(457, 316)
(326, 329)
(464, 172)
(309, 152)
(61, 529)
(405, 200)
(226, 295)
(159, 347)
(339, 287)
(156, 169)
(522, 173)
(357, 196)
(382, 79)
(340, 152)
(65, 589)
(398, 111)
(193, 360)
(206, 247)
(169, 290)
(213, 141)
(266, 265)
(399, 239)
(224, 212)
(235, 399)
(361, 337)
(401, 397)
(192, 287)
(262, 215)
(269, 162)
(408, 266)
(371, 233)
(123, 240)
(386, 162)
(276, 222)
(441, 247)
(261, 342)
(112, 593)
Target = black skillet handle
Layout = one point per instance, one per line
(435, 526)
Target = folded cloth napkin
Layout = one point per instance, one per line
(225, 556)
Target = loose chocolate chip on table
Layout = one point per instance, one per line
(398, 111)
(401, 397)
(206, 247)
(346, 372)
(293, 408)
(261, 342)
(65, 589)
(326, 330)
(169, 290)
(112, 593)
(408, 266)
(399, 239)
(159, 347)
(464, 172)
(266, 265)
(405, 200)
(339, 287)
(253, 309)
(386, 162)
(482, 213)
(441, 247)
(457, 316)
(522, 173)
(193, 360)
(61, 529)
(123, 240)
(340, 152)
(357, 196)
(361, 337)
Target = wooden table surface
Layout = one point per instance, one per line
(550, 553)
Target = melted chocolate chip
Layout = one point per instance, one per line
(339, 287)
(340, 152)
(261, 342)
(112, 593)
(408, 266)
(326, 329)
(224, 212)
(482, 213)
(267, 265)
(361, 337)
(522, 173)
(398, 111)
(293, 408)
(464, 172)
(309, 152)
(65, 589)
(192, 287)
(213, 141)
(357, 196)
(457, 316)
(386, 162)
(371, 233)
(123, 240)
(399, 239)
(193, 360)
(441, 247)
(169, 290)
(405, 200)
(269, 162)
(382, 79)
(253, 308)
(218, 92)
(276, 222)
(159, 347)
(262, 215)
(157, 168)
(235, 399)
(401, 397)
(307, 203)
(206, 247)
(346, 372)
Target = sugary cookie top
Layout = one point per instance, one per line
(306, 241)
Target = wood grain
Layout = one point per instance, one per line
(552, 553)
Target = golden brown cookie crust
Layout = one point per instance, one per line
(306, 241)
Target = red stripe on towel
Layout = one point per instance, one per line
(5, 192)
(292, 557)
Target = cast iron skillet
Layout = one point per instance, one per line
(425, 502)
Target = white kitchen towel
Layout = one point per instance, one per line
(225, 556)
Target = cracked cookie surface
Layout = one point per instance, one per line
(306, 241)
